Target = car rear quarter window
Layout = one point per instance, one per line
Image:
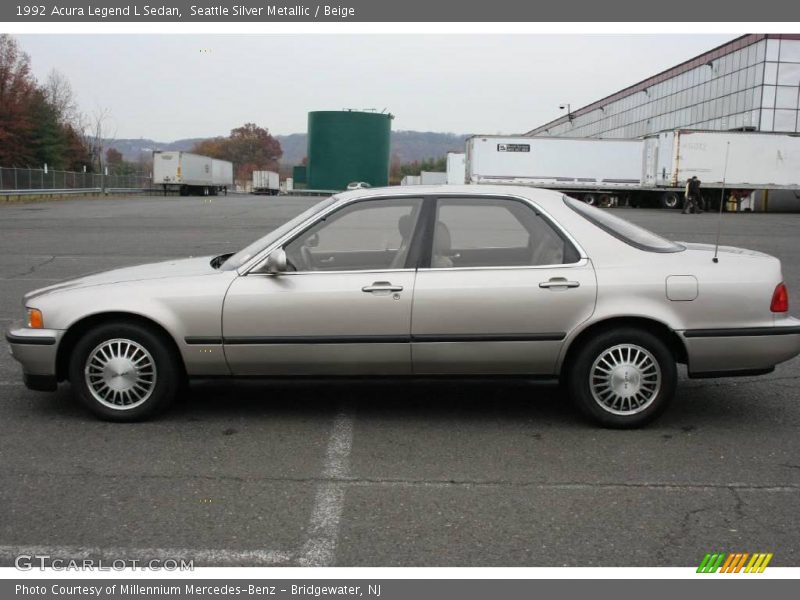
(623, 230)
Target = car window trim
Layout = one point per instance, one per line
(419, 253)
(332, 272)
(582, 262)
(530, 205)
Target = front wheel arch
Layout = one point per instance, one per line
(80, 328)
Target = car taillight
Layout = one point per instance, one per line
(780, 299)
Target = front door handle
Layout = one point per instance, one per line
(559, 282)
(382, 286)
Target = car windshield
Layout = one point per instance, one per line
(245, 254)
(631, 234)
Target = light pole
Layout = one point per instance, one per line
(566, 107)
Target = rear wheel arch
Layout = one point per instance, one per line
(81, 327)
(666, 334)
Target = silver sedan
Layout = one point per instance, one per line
(415, 282)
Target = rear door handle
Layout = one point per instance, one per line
(382, 286)
(559, 282)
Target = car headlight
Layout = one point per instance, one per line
(35, 318)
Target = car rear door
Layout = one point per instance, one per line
(502, 287)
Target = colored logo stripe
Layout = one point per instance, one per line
(734, 562)
(758, 563)
(711, 562)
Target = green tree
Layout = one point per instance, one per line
(47, 135)
(76, 154)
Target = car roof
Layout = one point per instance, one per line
(540, 195)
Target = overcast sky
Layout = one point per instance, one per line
(167, 87)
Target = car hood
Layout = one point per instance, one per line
(171, 268)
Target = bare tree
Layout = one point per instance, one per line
(97, 133)
(59, 94)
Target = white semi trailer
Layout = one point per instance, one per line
(432, 177)
(410, 180)
(456, 168)
(221, 175)
(589, 169)
(643, 172)
(741, 161)
(191, 174)
(266, 182)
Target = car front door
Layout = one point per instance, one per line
(502, 288)
(344, 306)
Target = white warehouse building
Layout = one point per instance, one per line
(752, 83)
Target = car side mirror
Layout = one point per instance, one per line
(276, 262)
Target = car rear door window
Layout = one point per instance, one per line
(495, 232)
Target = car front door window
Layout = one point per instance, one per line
(366, 236)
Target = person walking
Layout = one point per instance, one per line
(692, 203)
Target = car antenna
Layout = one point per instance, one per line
(721, 203)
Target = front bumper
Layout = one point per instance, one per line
(723, 352)
(35, 349)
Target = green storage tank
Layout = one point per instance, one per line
(346, 146)
(299, 174)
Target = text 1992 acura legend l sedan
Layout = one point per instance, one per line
(422, 281)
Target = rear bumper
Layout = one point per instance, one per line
(35, 349)
(745, 351)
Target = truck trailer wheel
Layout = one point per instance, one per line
(590, 199)
(671, 200)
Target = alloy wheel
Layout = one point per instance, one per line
(625, 379)
(120, 374)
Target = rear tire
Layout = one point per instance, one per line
(622, 378)
(124, 372)
(590, 199)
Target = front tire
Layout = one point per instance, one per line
(124, 372)
(622, 378)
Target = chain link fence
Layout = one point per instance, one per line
(23, 180)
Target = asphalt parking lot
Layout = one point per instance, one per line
(501, 474)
